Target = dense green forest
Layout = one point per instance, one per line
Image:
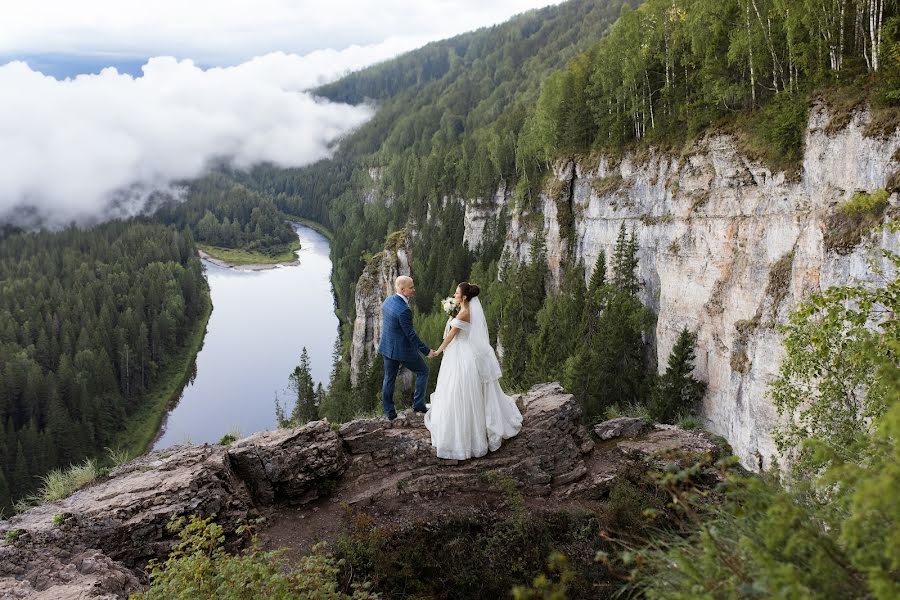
(227, 215)
(89, 321)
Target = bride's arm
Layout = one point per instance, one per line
(448, 339)
(453, 331)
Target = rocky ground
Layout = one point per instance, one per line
(308, 482)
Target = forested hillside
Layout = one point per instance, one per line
(448, 121)
(459, 117)
(89, 322)
(221, 214)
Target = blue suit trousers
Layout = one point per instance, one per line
(391, 367)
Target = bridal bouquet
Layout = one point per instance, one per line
(450, 306)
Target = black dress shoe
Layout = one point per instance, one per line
(420, 409)
(390, 417)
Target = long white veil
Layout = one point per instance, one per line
(485, 357)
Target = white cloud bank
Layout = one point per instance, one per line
(68, 147)
(218, 32)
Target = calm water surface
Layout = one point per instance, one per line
(260, 322)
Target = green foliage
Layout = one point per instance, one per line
(229, 438)
(670, 70)
(827, 386)
(545, 588)
(199, 567)
(90, 320)
(13, 535)
(117, 456)
(60, 518)
(523, 295)
(854, 219)
(480, 554)
(677, 391)
(306, 401)
(61, 483)
(862, 203)
(225, 214)
(777, 132)
(610, 366)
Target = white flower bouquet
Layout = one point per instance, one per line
(450, 306)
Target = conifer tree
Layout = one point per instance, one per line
(301, 383)
(677, 391)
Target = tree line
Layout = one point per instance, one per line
(221, 212)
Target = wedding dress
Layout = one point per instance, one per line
(469, 412)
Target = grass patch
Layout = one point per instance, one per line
(239, 256)
(847, 225)
(230, 437)
(314, 225)
(634, 410)
(143, 426)
(603, 186)
(13, 535)
(689, 422)
(62, 483)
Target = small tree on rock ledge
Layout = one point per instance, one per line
(677, 391)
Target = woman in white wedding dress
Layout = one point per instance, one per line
(469, 413)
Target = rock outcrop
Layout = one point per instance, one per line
(374, 286)
(727, 248)
(95, 543)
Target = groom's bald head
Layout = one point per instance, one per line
(404, 286)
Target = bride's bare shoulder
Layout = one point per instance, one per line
(463, 315)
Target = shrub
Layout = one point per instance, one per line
(199, 567)
(847, 225)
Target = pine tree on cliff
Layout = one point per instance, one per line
(611, 367)
(301, 383)
(523, 299)
(677, 391)
(558, 328)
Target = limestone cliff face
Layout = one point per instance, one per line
(374, 286)
(727, 249)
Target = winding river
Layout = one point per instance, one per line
(260, 322)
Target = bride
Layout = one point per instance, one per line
(469, 413)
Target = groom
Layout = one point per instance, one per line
(401, 346)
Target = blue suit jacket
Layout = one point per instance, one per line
(398, 338)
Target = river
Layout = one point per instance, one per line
(260, 322)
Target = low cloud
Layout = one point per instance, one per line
(73, 149)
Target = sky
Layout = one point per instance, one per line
(109, 99)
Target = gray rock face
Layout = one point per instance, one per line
(109, 530)
(727, 248)
(292, 465)
(374, 286)
(621, 427)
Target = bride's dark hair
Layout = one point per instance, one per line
(469, 290)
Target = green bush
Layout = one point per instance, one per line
(863, 203)
(199, 567)
(848, 224)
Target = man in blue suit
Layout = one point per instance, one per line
(401, 346)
